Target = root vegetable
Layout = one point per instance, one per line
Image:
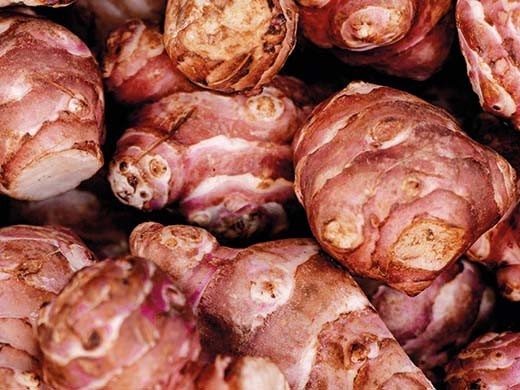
(283, 300)
(51, 115)
(233, 45)
(136, 67)
(489, 42)
(117, 324)
(35, 263)
(225, 159)
(36, 3)
(433, 326)
(490, 362)
(406, 38)
(393, 188)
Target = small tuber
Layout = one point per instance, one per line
(393, 188)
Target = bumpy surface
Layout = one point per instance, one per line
(283, 300)
(35, 3)
(490, 362)
(406, 38)
(136, 67)
(489, 40)
(225, 159)
(393, 188)
(51, 110)
(437, 323)
(35, 264)
(118, 324)
(230, 45)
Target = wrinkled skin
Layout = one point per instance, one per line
(490, 362)
(56, 146)
(36, 3)
(118, 324)
(438, 322)
(232, 45)
(136, 68)
(393, 188)
(226, 160)
(405, 38)
(35, 264)
(283, 300)
(489, 40)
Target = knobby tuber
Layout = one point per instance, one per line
(51, 110)
(136, 67)
(488, 35)
(393, 188)
(118, 324)
(35, 264)
(406, 38)
(227, 160)
(490, 362)
(433, 326)
(284, 300)
(230, 45)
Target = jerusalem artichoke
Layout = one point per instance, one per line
(490, 362)
(488, 35)
(35, 263)
(406, 38)
(283, 300)
(438, 322)
(136, 67)
(231, 45)
(225, 159)
(393, 188)
(51, 115)
(117, 324)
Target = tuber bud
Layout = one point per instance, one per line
(283, 300)
(230, 45)
(51, 115)
(393, 188)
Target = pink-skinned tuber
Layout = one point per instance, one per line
(118, 324)
(433, 326)
(489, 40)
(393, 188)
(51, 110)
(226, 160)
(136, 68)
(35, 264)
(230, 45)
(283, 300)
(490, 362)
(36, 3)
(405, 38)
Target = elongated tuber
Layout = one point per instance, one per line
(51, 115)
(225, 159)
(433, 326)
(406, 38)
(231, 45)
(393, 188)
(35, 3)
(283, 300)
(35, 264)
(136, 67)
(490, 362)
(118, 324)
(488, 35)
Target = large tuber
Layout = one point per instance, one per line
(490, 362)
(433, 326)
(406, 38)
(35, 264)
(393, 188)
(284, 300)
(51, 115)
(230, 45)
(488, 35)
(118, 324)
(225, 159)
